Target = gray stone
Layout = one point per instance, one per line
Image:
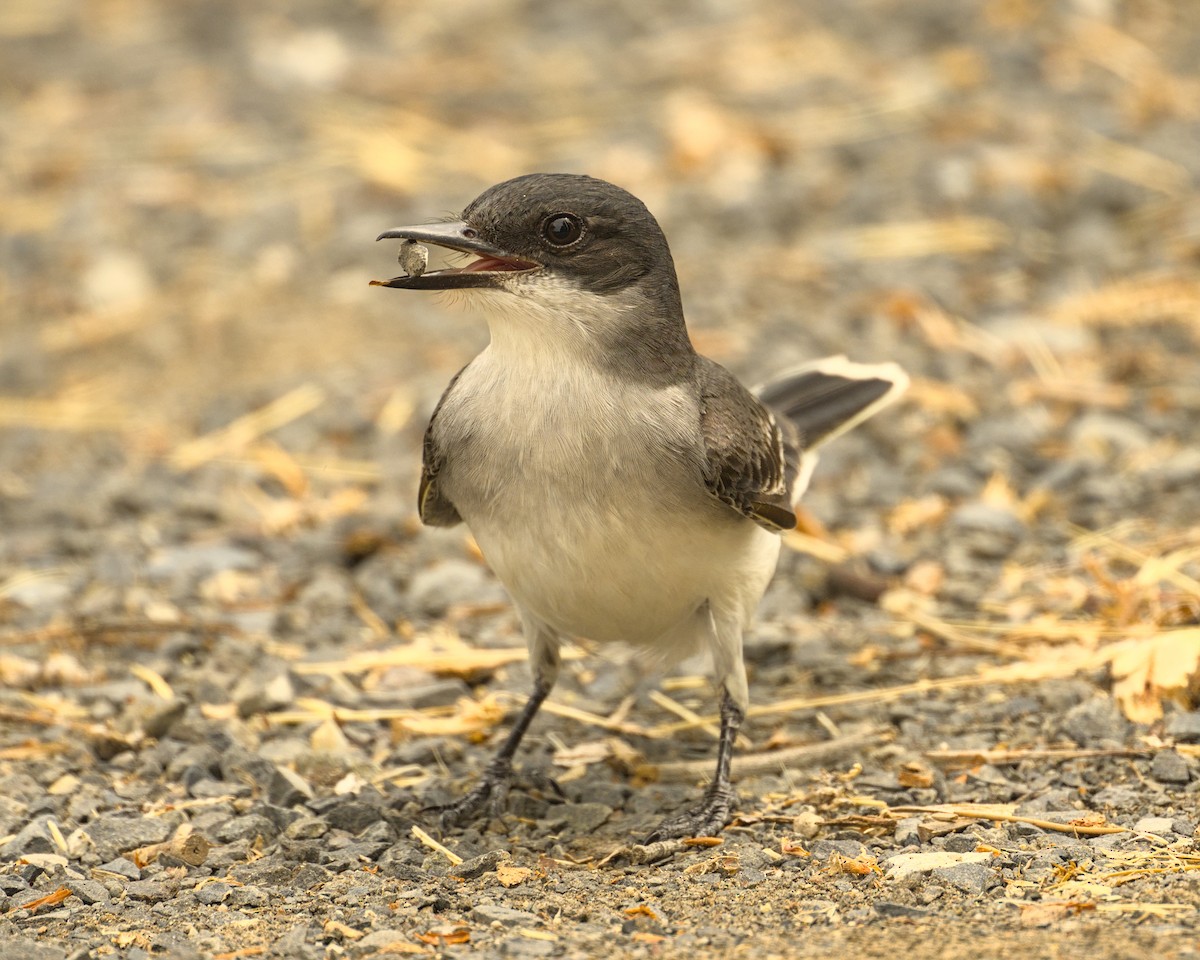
(239, 765)
(209, 789)
(88, 891)
(151, 891)
(1159, 826)
(478, 866)
(353, 816)
(506, 916)
(378, 941)
(1117, 796)
(1169, 766)
(961, 843)
(578, 818)
(1184, 727)
(115, 834)
(1107, 842)
(212, 893)
(288, 788)
(200, 756)
(972, 878)
(21, 788)
(906, 832)
(34, 837)
(253, 694)
(156, 718)
(248, 896)
(249, 827)
(824, 849)
(435, 589)
(171, 946)
(986, 530)
(12, 884)
(307, 828)
(525, 947)
(294, 945)
(1095, 722)
(282, 817)
(23, 949)
(200, 559)
(122, 867)
(812, 912)
(886, 908)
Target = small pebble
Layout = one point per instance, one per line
(413, 258)
(1184, 727)
(506, 916)
(1159, 826)
(1169, 766)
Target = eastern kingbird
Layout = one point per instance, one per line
(620, 485)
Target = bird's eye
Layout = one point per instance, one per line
(562, 229)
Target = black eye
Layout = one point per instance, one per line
(562, 229)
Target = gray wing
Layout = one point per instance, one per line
(435, 509)
(751, 460)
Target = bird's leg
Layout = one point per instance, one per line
(709, 816)
(492, 788)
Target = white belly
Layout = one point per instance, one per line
(587, 499)
(615, 575)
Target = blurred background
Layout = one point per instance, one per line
(1000, 194)
(212, 577)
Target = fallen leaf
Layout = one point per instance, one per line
(510, 876)
(49, 900)
(445, 936)
(915, 775)
(860, 866)
(341, 930)
(1148, 671)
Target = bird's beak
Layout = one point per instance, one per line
(487, 271)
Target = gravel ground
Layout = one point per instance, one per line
(234, 671)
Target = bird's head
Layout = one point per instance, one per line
(555, 244)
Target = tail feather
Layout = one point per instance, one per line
(826, 398)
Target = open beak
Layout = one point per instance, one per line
(487, 271)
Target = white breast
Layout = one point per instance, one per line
(585, 493)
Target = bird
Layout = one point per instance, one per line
(621, 486)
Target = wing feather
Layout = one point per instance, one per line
(434, 508)
(750, 460)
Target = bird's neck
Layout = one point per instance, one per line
(620, 334)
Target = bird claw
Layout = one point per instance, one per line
(705, 819)
(487, 796)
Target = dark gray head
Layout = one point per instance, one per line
(578, 230)
(569, 262)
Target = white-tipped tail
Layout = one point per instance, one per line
(827, 397)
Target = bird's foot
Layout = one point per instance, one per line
(487, 796)
(705, 819)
